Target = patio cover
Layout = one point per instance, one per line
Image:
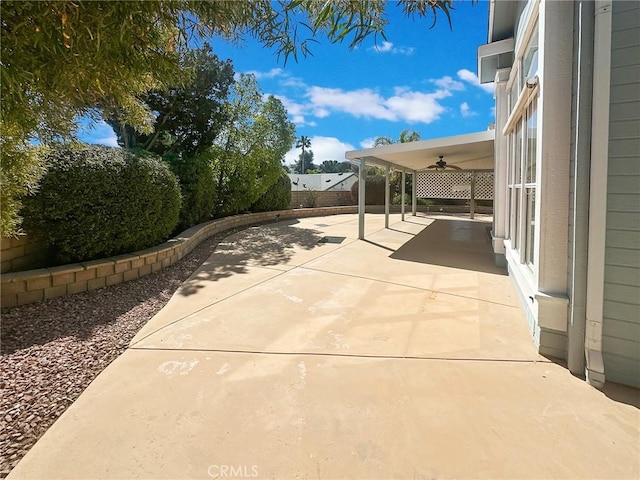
(472, 151)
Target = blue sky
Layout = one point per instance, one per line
(419, 78)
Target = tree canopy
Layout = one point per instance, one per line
(248, 153)
(406, 135)
(65, 59)
(188, 116)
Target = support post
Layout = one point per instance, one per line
(386, 197)
(472, 202)
(404, 178)
(361, 197)
(414, 193)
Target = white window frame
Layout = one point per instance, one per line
(519, 236)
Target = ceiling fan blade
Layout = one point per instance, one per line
(432, 166)
(455, 167)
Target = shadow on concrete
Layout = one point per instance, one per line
(622, 394)
(452, 243)
(268, 245)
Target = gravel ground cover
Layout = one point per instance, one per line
(51, 351)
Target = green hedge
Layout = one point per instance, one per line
(278, 197)
(95, 202)
(198, 187)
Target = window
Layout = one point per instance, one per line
(522, 131)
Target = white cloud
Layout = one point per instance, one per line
(368, 142)
(466, 111)
(387, 47)
(111, 141)
(448, 83)
(405, 105)
(323, 148)
(470, 77)
(273, 73)
(99, 133)
(416, 106)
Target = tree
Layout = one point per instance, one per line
(247, 155)
(188, 116)
(304, 143)
(305, 164)
(66, 59)
(333, 166)
(380, 141)
(406, 136)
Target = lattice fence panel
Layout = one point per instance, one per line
(484, 186)
(455, 184)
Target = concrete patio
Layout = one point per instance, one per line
(298, 351)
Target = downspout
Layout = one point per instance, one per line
(584, 27)
(598, 192)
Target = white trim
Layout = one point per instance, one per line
(525, 26)
(524, 99)
(598, 191)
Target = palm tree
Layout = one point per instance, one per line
(408, 136)
(405, 136)
(379, 141)
(303, 142)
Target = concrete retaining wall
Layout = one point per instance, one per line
(31, 286)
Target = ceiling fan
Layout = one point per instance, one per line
(441, 165)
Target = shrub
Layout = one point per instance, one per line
(98, 201)
(278, 197)
(198, 188)
(374, 191)
(310, 199)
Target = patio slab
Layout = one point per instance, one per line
(283, 357)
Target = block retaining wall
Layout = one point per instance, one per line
(31, 286)
(329, 198)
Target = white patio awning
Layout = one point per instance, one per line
(472, 151)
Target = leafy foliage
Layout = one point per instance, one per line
(188, 116)
(406, 136)
(333, 166)
(247, 157)
(66, 59)
(98, 201)
(21, 167)
(198, 188)
(305, 164)
(277, 197)
(374, 191)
